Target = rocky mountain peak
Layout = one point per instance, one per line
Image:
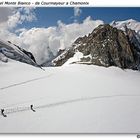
(105, 46)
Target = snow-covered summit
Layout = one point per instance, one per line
(130, 23)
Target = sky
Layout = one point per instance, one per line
(43, 31)
(49, 16)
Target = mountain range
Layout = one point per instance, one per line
(114, 44)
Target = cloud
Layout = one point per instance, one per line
(77, 11)
(5, 13)
(44, 43)
(20, 15)
(11, 17)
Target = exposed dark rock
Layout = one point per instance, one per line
(27, 53)
(60, 51)
(61, 59)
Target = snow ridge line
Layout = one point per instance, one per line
(27, 108)
(25, 82)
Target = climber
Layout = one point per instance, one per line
(2, 112)
(32, 108)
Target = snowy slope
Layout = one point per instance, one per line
(14, 52)
(71, 99)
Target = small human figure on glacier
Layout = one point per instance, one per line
(2, 112)
(32, 108)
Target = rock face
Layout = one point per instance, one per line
(62, 58)
(106, 46)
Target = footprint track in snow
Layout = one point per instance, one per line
(55, 104)
(25, 82)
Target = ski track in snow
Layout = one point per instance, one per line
(27, 101)
(25, 82)
(55, 104)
